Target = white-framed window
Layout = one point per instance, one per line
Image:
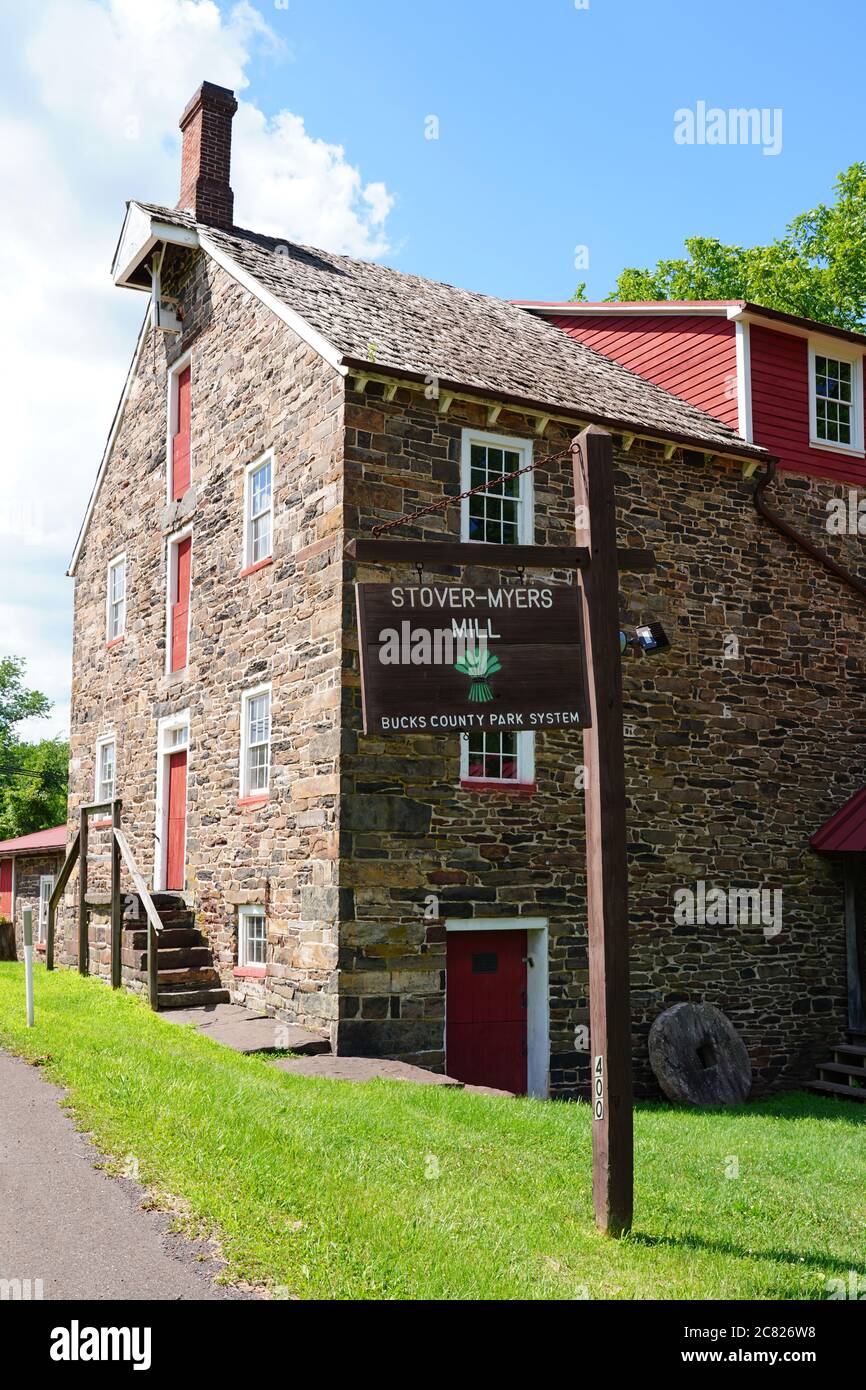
(106, 768)
(115, 599)
(46, 888)
(256, 741)
(835, 397)
(252, 936)
(503, 513)
(493, 756)
(259, 510)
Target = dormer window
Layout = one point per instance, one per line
(835, 399)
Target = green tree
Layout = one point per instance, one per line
(33, 776)
(816, 269)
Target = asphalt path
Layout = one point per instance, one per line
(69, 1224)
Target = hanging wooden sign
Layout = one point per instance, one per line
(439, 657)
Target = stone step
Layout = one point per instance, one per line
(187, 975)
(171, 937)
(191, 998)
(842, 1069)
(833, 1088)
(169, 957)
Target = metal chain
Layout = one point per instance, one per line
(447, 502)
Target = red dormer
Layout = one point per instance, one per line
(791, 384)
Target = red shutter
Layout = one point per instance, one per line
(175, 869)
(6, 889)
(180, 438)
(180, 605)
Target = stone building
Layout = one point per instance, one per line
(282, 401)
(29, 866)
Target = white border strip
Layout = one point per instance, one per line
(299, 325)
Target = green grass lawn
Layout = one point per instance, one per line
(322, 1189)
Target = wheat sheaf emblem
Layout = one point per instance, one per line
(479, 664)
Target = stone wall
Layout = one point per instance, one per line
(734, 755)
(255, 385)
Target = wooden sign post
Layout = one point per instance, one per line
(606, 859)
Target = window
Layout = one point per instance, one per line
(115, 617)
(179, 426)
(259, 508)
(497, 757)
(502, 513)
(105, 769)
(252, 936)
(179, 578)
(255, 742)
(46, 888)
(836, 399)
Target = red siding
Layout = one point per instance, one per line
(6, 889)
(693, 357)
(780, 407)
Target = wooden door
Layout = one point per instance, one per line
(180, 604)
(175, 858)
(486, 1009)
(180, 476)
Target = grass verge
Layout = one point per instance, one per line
(323, 1189)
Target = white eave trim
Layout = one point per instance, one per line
(660, 306)
(109, 445)
(293, 320)
(744, 379)
(139, 234)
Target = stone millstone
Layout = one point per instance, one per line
(699, 1057)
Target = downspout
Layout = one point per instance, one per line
(787, 530)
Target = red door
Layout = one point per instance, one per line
(6, 889)
(485, 1034)
(180, 438)
(175, 860)
(180, 604)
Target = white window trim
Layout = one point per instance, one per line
(42, 921)
(171, 545)
(164, 749)
(526, 506)
(244, 914)
(251, 468)
(101, 743)
(174, 372)
(537, 991)
(116, 560)
(246, 696)
(824, 347)
(525, 762)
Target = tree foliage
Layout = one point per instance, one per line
(816, 269)
(33, 776)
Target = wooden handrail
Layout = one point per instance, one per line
(154, 925)
(57, 893)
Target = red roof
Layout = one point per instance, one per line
(844, 832)
(54, 839)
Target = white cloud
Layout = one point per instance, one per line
(88, 118)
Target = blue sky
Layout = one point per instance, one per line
(555, 130)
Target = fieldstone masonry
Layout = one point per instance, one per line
(735, 753)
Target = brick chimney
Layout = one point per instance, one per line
(207, 154)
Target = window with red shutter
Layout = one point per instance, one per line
(180, 477)
(180, 603)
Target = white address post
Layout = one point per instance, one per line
(28, 962)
